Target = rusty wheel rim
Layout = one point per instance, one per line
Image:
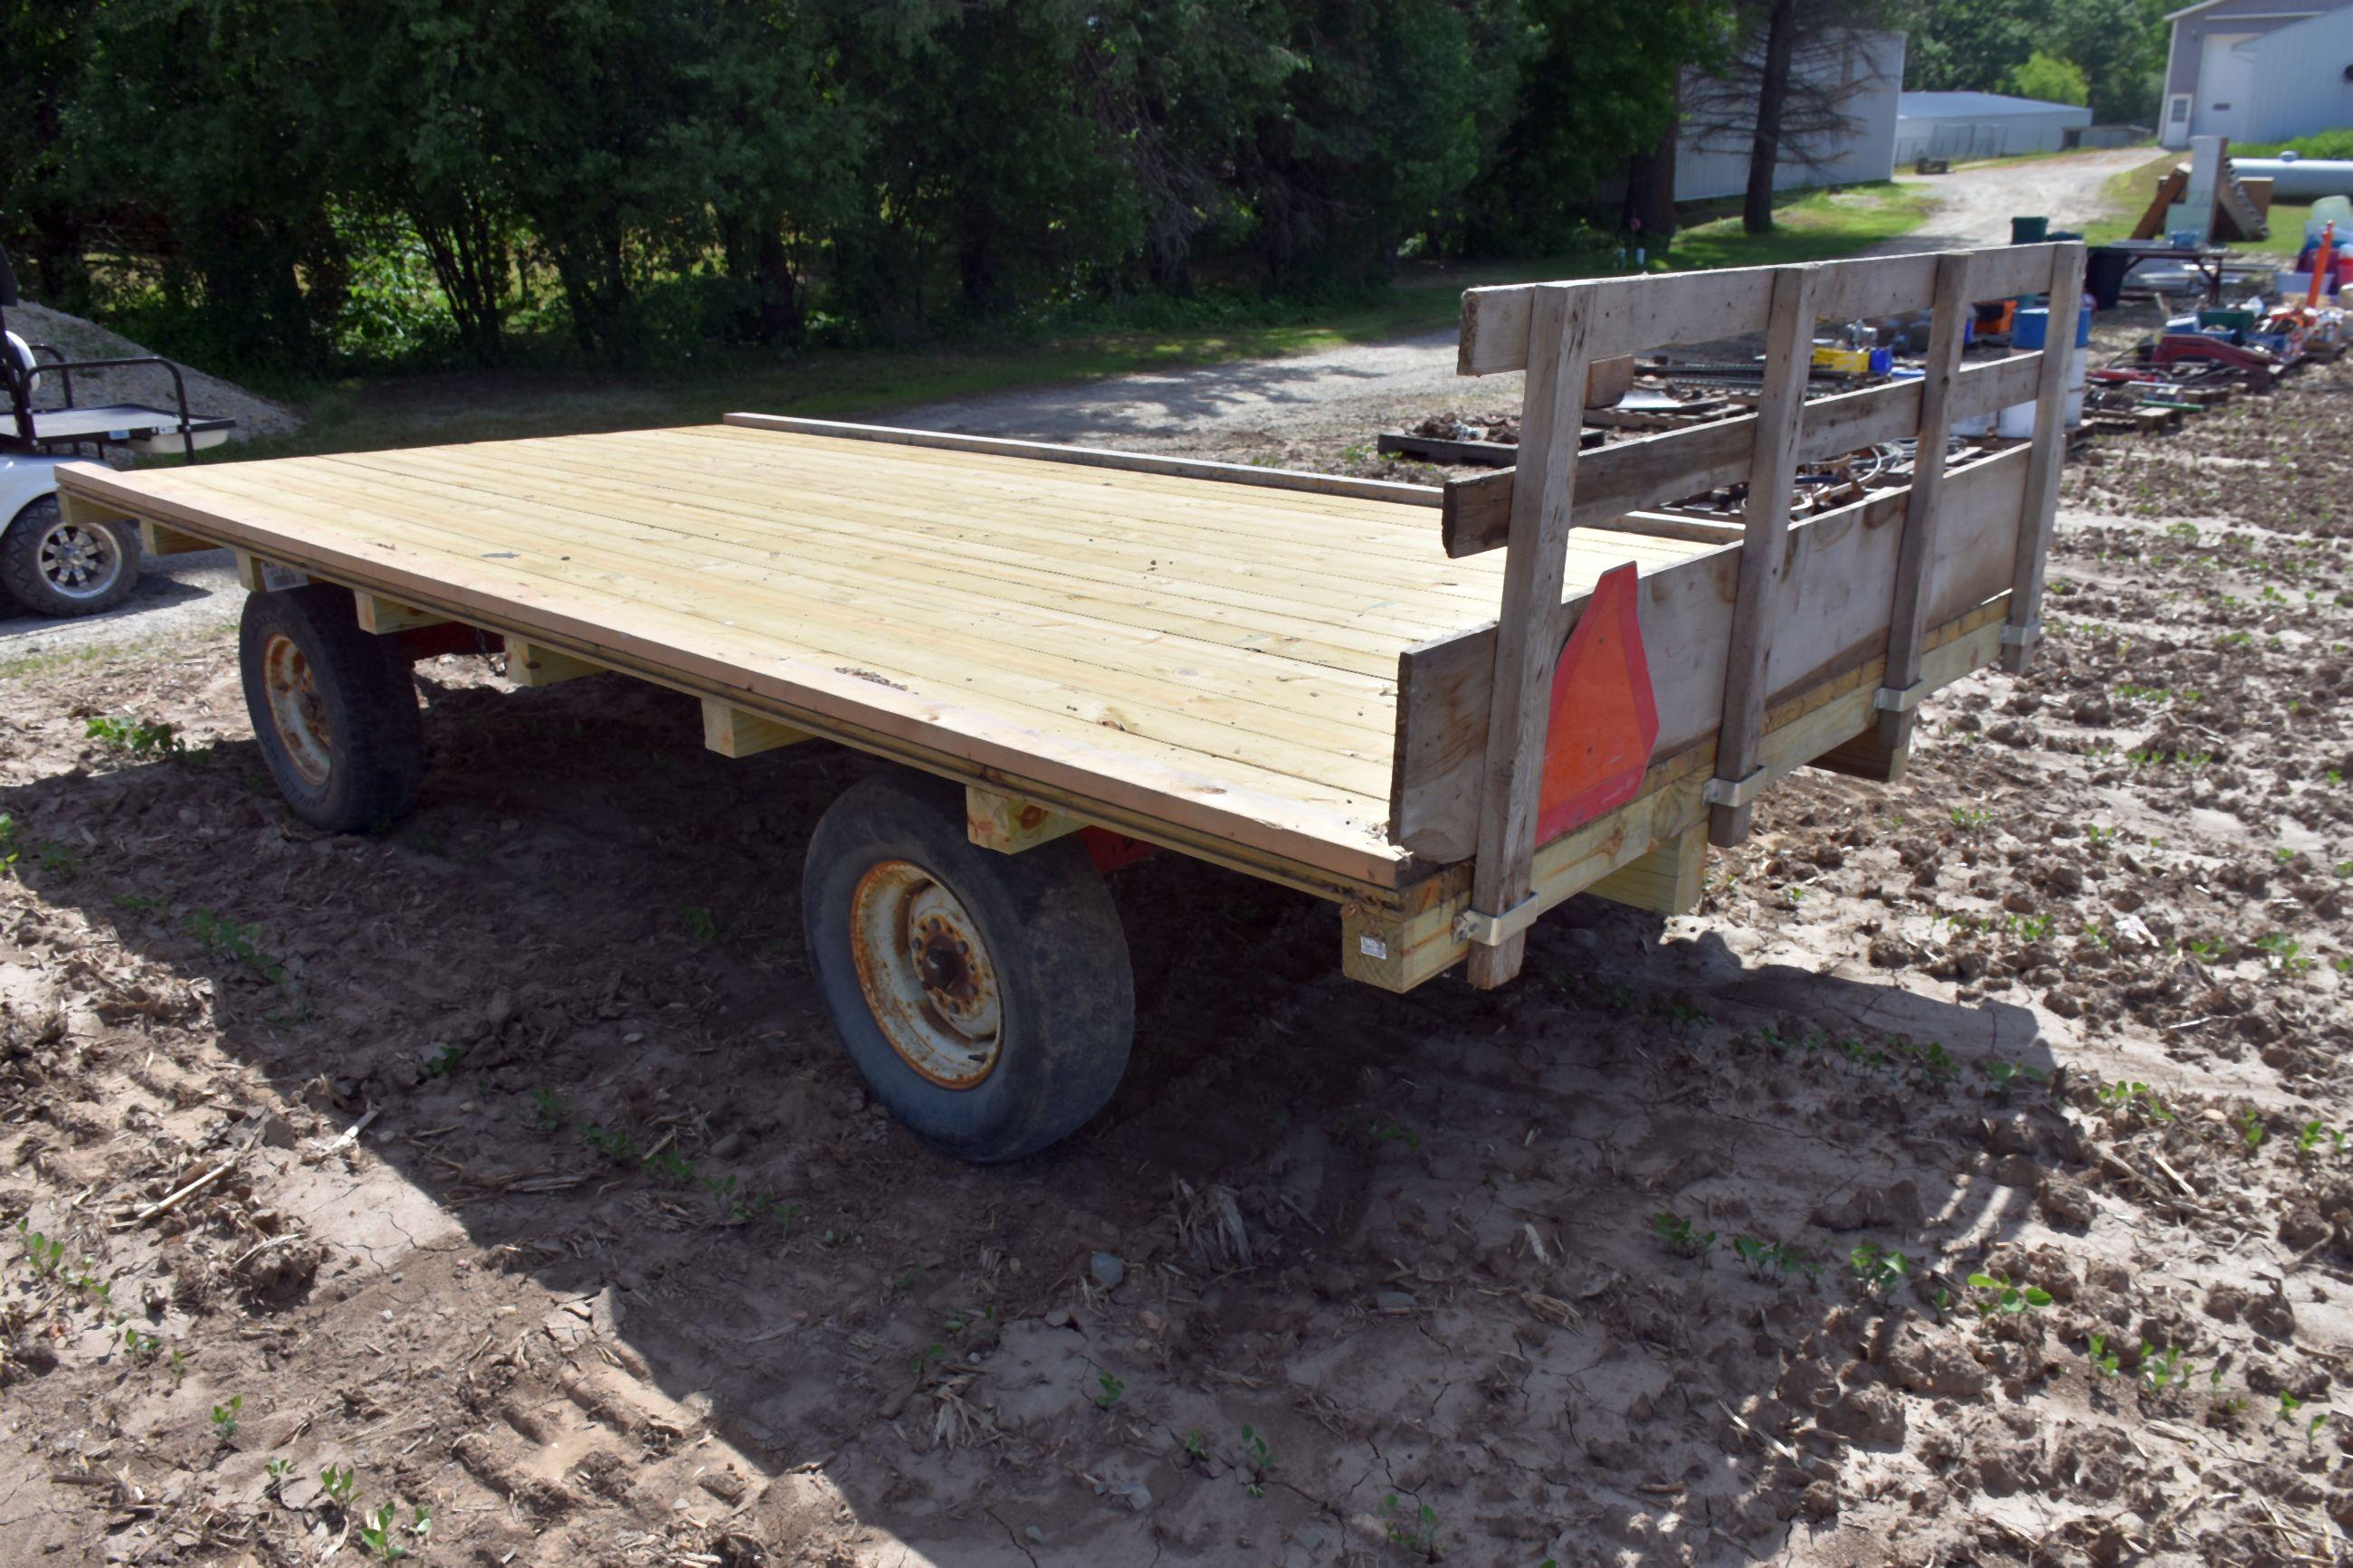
(927, 975)
(296, 710)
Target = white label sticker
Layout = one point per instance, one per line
(277, 578)
(1372, 947)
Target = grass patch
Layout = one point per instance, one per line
(366, 413)
(2329, 144)
(1815, 226)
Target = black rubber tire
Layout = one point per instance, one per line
(1067, 995)
(20, 564)
(375, 736)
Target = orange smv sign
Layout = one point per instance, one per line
(1604, 718)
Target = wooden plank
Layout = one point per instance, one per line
(1436, 449)
(2169, 186)
(383, 616)
(734, 731)
(1398, 949)
(2049, 450)
(1832, 612)
(155, 539)
(1908, 618)
(87, 509)
(1666, 880)
(1222, 815)
(1099, 458)
(1009, 824)
(1530, 624)
(1789, 360)
(1072, 521)
(1445, 694)
(1424, 938)
(1330, 729)
(1649, 471)
(531, 664)
(259, 575)
(1632, 314)
(1870, 755)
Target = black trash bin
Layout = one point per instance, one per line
(2104, 274)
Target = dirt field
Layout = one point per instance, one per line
(504, 1168)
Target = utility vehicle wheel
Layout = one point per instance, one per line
(985, 998)
(53, 567)
(333, 706)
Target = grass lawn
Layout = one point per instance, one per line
(360, 413)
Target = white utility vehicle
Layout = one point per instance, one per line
(48, 564)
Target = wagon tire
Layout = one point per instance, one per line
(985, 999)
(52, 567)
(333, 708)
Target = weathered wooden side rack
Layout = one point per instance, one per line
(1445, 711)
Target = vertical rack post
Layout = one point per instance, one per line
(1915, 562)
(1530, 630)
(1772, 475)
(2025, 627)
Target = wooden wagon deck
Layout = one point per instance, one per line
(1215, 655)
(1446, 709)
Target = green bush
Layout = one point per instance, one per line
(2332, 145)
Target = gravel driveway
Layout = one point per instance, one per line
(1305, 410)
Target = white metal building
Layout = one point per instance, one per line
(1958, 125)
(2258, 71)
(1864, 80)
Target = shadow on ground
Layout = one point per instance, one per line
(1326, 1247)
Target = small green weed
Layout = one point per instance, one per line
(1997, 1294)
(240, 944)
(225, 1417)
(380, 1537)
(1258, 1459)
(139, 737)
(2128, 1097)
(1879, 1270)
(339, 1485)
(1111, 1388)
(1416, 1533)
(1771, 1260)
(2162, 1370)
(1676, 1233)
(47, 1254)
(700, 923)
(2008, 1075)
(2103, 1359)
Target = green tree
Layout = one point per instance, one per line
(1597, 88)
(2051, 79)
(1981, 45)
(41, 222)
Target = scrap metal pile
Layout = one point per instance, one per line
(2200, 360)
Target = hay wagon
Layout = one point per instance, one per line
(1443, 709)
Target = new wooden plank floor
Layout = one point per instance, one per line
(1216, 656)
